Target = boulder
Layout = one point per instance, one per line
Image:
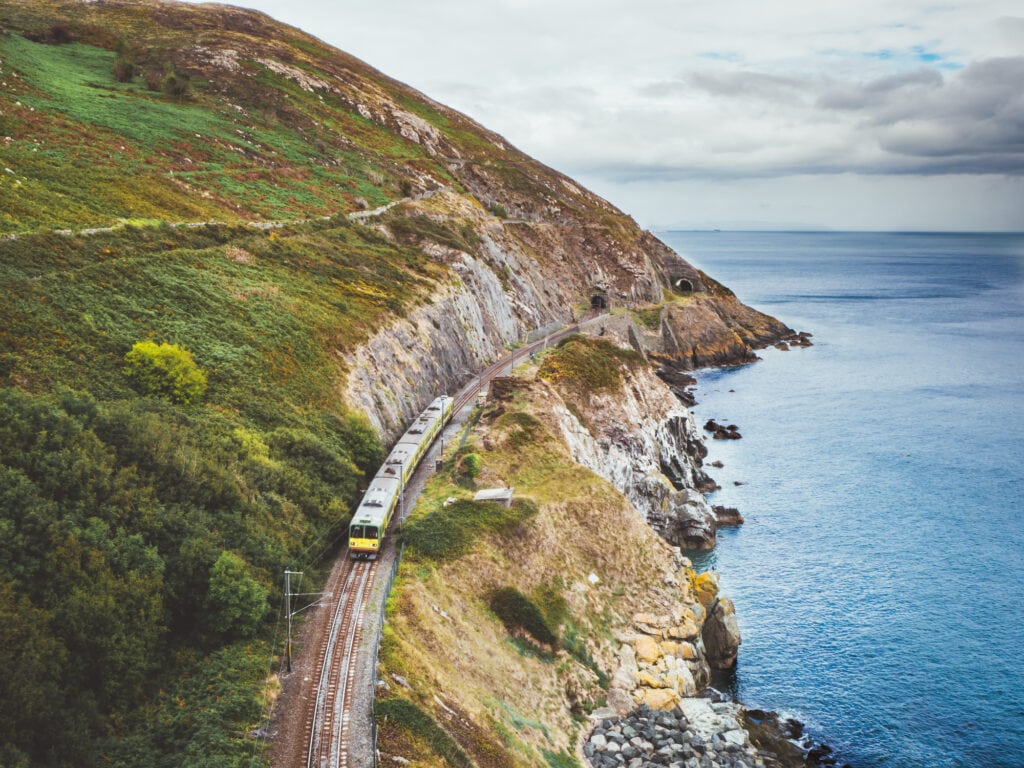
(650, 623)
(681, 650)
(721, 634)
(620, 701)
(625, 673)
(685, 630)
(687, 521)
(659, 698)
(705, 587)
(727, 516)
(650, 680)
(647, 649)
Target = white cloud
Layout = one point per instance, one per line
(688, 92)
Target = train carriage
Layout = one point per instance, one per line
(370, 522)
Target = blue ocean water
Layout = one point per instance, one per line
(879, 577)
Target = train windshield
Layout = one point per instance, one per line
(355, 532)
(362, 532)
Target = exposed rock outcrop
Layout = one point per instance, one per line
(727, 516)
(648, 446)
(721, 634)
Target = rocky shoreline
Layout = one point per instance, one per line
(661, 712)
(697, 733)
(701, 733)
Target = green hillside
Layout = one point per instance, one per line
(84, 150)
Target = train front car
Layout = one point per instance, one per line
(370, 522)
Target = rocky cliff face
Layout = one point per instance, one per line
(644, 442)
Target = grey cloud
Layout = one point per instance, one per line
(732, 84)
(922, 122)
(855, 97)
(976, 120)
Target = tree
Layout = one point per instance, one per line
(236, 602)
(165, 370)
(124, 64)
(176, 85)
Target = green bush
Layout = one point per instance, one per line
(518, 612)
(470, 466)
(176, 85)
(449, 532)
(586, 364)
(165, 370)
(236, 601)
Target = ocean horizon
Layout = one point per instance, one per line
(878, 575)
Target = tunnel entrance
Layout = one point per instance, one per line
(599, 300)
(683, 285)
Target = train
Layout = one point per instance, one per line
(373, 515)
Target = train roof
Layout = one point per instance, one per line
(376, 503)
(440, 403)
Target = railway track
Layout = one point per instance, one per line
(327, 721)
(473, 389)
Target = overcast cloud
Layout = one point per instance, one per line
(738, 113)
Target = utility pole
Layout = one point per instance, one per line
(288, 610)
(288, 595)
(401, 493)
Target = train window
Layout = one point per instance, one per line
(356, 532)
(370, 531)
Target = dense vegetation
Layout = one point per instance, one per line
(449, 531)
(142, 531)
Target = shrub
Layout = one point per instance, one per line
(588, 365)
(236, 601)
(518, 612)
(470, 466)
(449, 532)
(176, 85)
(124, 69)
(498, 210)
(165, 370)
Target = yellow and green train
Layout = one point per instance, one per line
(370, 521)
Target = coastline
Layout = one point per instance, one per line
(711, 729)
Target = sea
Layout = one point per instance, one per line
(879, 576)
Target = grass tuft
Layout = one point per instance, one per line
(448, 532)
(407, 715)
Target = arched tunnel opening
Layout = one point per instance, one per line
(683, 285)
(599, 301)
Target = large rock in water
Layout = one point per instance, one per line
(687, 520)
(721, 634)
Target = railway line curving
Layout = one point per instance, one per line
(342, 688)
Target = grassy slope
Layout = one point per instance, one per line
(85, 150)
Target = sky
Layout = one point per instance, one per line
(733, 114)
